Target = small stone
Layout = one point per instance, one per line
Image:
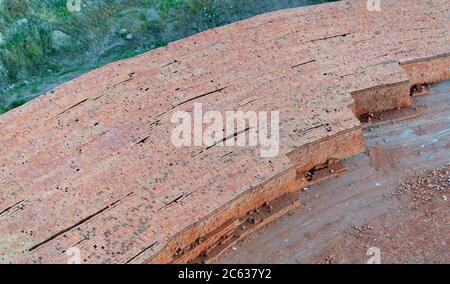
(153, 15)
(21, 21)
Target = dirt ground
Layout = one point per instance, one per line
(394, 197)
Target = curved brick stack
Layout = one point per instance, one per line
(91, 165)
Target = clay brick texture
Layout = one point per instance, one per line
(91, 164)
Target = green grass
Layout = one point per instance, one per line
(42, 44)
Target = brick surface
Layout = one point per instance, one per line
(91, 165)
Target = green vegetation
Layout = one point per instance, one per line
(43, 44)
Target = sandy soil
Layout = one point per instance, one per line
(418, 233)
(394, 197)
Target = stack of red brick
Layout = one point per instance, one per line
(91, 164)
